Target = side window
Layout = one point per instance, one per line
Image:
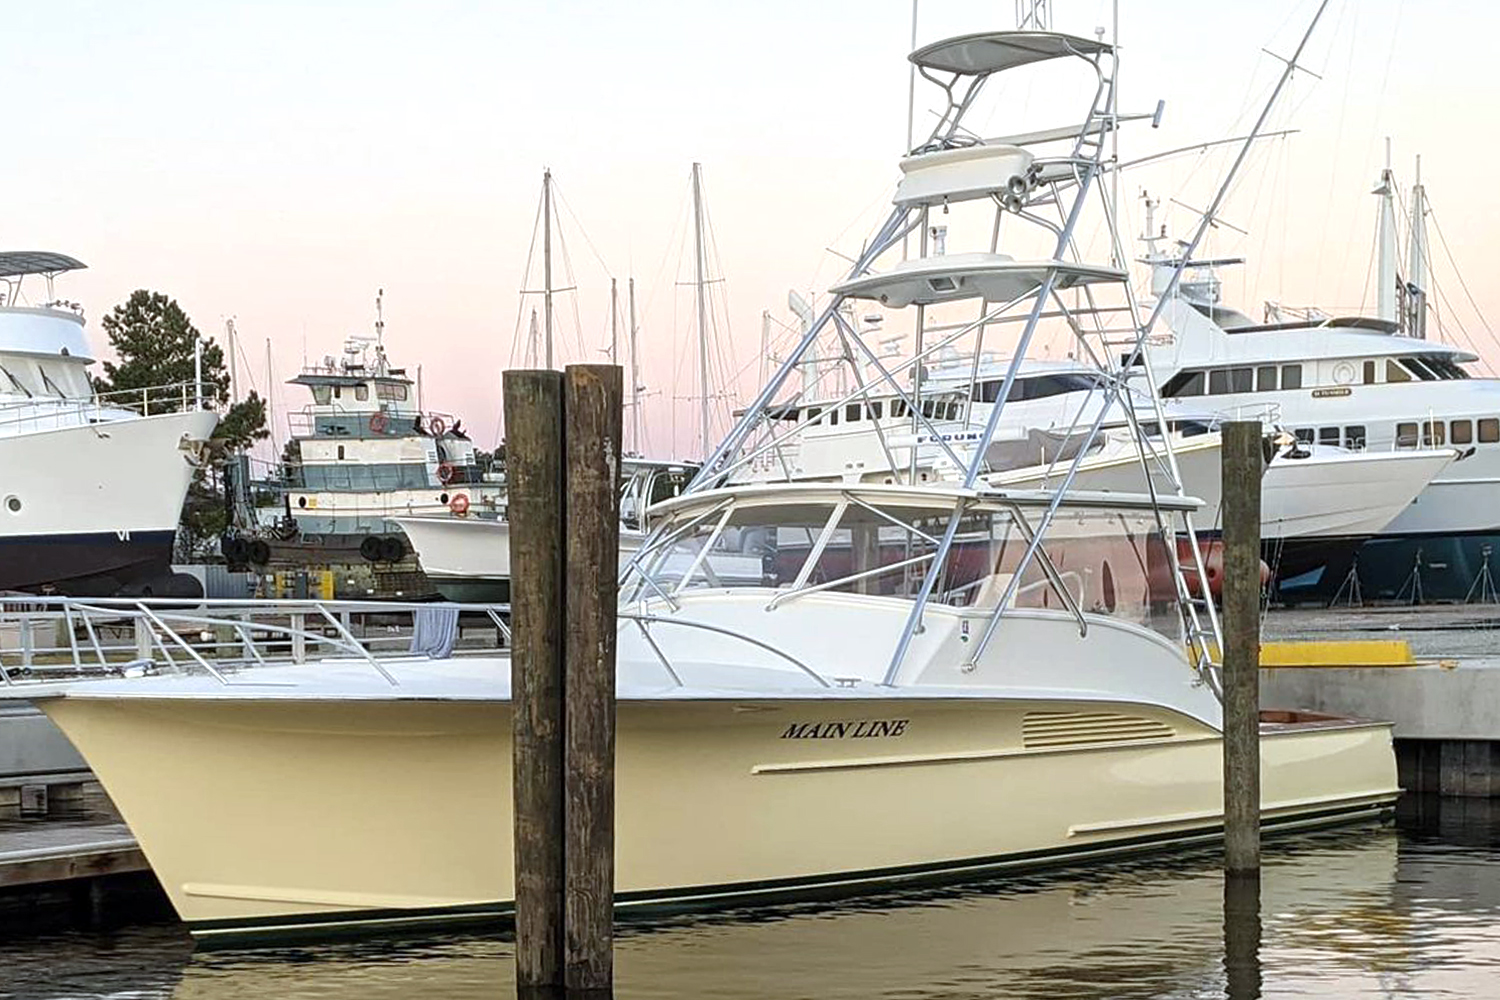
(1291, 376)
(1328, 435)
(877, 409)
(1432, 433)
(1265, 379)
(898, 408)
(851, 412)
(833, 417)
(1242, 380)
(811, 414)
(341, 453)
(361, 392)
(321, 394)
(1406, 435)
(1489, 430)
(1461, 432)
(1354, 437)
(1185, 384)
(1395, 373)
(1369, 373)
(1218, 382)
(1305, 435)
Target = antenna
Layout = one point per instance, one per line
(234, 381)
(635, 375)
(380, 316)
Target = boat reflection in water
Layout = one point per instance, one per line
(1367, 912)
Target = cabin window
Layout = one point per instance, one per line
(812, 413)
(341, 453)
(1291, 376)
(1406, 435)
(1369, 373)
(1461, 432)
(1489, 430)
(1395, 373)
(1420, 370)
(1241, 380)
(833, 417)
(338, 392)
(361, 392)
(1432, 433)
(391, 390)
(851, 412)
(1304, 435)
(322, 394)
(1184, 384)
(1354, 437)
(1265, 378)
(15, 382)
(877, 409)
(898, 408)
(1328, 436)
(1218, 382)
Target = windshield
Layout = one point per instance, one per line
(1108, 562)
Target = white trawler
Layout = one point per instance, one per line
(1022, 671)
(364, 453)
(91, 487)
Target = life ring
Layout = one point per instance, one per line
(436, 427)
(378, 423)
(459, 504)
(445, 472)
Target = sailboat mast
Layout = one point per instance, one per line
(271, 400)
(635, 374)
(701, 288)
(614, 321)
(1416, 263)
(547, 260)
(1386, 288)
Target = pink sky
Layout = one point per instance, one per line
(280, 162)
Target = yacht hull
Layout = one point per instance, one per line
(278, 817)
(91, 509)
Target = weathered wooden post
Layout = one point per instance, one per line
(1241, 465)
(593, 395)
(534, 471)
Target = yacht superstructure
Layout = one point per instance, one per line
(91, 488)
(917, 643)
(1357, 382)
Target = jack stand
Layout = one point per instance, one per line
(1413, 582)
(1350, 584)
(1483, 587)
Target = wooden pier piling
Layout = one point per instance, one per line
(535, 506)
(1241, 466)
(593, 395)
(563, 457)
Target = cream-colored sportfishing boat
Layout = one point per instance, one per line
(923, 680)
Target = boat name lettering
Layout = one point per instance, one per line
(951, 436)
(862, 729)
(1341, 390)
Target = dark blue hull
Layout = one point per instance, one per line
(1410, 568)
(96, 564)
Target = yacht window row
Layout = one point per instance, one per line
(932, 409)
(1274, 378)
(1410, 433)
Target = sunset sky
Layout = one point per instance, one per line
(279, 162)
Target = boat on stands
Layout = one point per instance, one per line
(1319, 502)
(1371, 384)
(902, 642)
(91, 486)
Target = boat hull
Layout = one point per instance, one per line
(266, 817)
(96, 506)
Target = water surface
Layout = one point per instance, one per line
(1404, 910)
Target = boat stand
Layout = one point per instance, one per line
(1351, 584)
(1482, 590)
(1413, 582)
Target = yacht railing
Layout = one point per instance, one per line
(53, 412)
(50, 639)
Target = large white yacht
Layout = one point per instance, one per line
(910, 643)
(91, 488)
(1364, 383)
(1320, 501)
